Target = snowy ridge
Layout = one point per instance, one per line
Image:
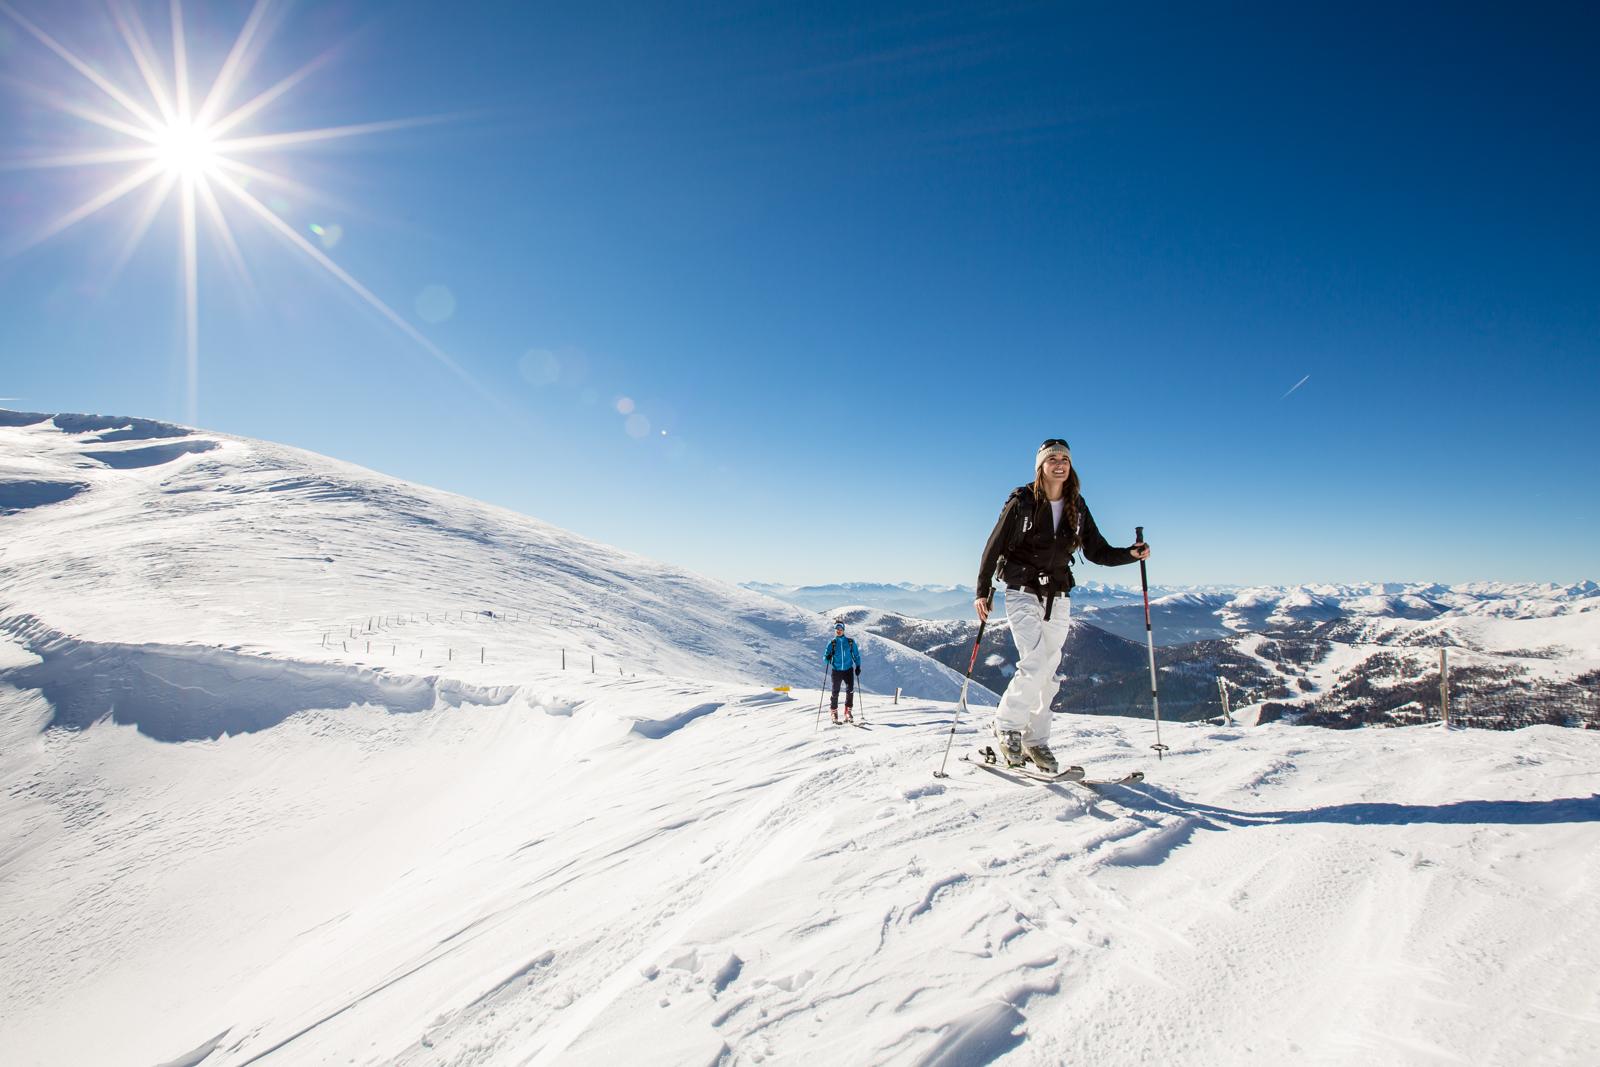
(270, 550)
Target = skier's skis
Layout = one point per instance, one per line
(1127, 779)
(989, 760)
(1025, 775)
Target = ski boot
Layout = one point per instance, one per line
(847, 716)
(835, 713)
(1042, 757)
(1010, 746)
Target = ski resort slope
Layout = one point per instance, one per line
(632, 870)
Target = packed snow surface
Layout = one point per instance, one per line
(222, 845)
(598, 871)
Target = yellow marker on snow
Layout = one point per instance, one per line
(780, 689)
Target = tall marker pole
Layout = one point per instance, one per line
(962, 705)
(1150, 641)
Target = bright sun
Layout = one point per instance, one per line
(185, 150)
(183, 145)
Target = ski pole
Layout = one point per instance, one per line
(861, 701)
(961, 705)
(1150, 641)
(821, 692)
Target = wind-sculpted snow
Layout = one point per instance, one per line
(150, 456)
(117, 427)
(23, 494)
(186, 693)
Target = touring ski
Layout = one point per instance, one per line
(989, 760)
(1127, 779)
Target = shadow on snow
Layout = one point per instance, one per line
(1501, 812)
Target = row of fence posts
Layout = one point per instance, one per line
(383, 622)
(377, 622)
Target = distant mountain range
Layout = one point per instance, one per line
(942, 601)
(1335, 655)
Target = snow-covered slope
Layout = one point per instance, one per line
(223, 843)
(127, 532)
(643, 871)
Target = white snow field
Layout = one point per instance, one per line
(222, 844)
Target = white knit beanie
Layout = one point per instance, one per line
(1049, 447)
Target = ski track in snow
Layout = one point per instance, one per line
(222, 844)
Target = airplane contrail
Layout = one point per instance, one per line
(1295, 386)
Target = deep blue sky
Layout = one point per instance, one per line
(858, 260)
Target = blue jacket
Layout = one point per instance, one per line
(843, 654)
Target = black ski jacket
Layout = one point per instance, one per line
(1030, 554)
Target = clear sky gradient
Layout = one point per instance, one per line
(793, 294)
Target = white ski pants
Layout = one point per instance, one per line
(1026, 703)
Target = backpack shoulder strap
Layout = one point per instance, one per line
(1022, 497)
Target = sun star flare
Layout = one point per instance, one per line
(180, 147)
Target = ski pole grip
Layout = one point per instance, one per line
(1138, 534)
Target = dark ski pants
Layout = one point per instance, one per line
(849, 680)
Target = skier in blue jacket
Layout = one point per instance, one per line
(845, 658)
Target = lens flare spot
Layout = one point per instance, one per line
(330, 235)
(637, 426)
(624, 405)
(435, 304)
(540, 367)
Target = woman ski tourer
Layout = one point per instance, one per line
(1030, 551)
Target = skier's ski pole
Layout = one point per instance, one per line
(1150, 641)
(821, 693)
(961, 705)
